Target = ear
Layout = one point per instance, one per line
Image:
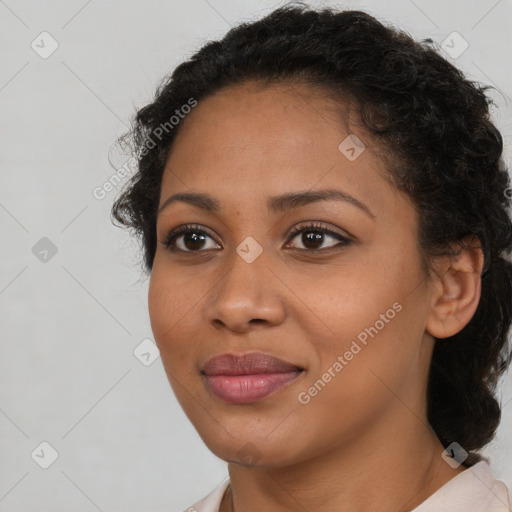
(456, 288)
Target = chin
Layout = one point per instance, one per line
(253, 453)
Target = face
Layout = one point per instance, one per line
(333, 286)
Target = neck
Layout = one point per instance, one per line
(398, 468)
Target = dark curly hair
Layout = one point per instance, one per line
(439, 145)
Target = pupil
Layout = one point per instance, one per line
(195, 239)
(313, 237)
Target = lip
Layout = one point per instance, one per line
(247, 378)
(247, 364)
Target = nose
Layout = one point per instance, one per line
(248, 296)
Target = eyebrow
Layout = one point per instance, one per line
(276, 204)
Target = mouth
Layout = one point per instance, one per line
(248, 378)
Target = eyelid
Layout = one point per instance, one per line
(174, 233)
(320, 225)
(344, 238)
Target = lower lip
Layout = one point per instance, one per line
(245, 389)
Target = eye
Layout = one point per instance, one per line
(193, 238)
(313, 235)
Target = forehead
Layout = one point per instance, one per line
(255, 140)
(265, 112)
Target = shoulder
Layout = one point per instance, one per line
(475, 489)
(212, 501)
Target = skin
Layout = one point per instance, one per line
(364, 438)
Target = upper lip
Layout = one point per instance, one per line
(247, 364)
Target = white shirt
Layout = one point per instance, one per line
(473, 490)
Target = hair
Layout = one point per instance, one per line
(440, 148)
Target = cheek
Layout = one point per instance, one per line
(160, 306)
(378, 316)
(169, 307)
(348, 395)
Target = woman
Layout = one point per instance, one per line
(323, 209)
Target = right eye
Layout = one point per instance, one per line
(193, 238)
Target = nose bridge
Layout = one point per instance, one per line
(245, 292)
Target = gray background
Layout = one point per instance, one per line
(70, 321)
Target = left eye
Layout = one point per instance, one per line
(315, 235)
(192, 238)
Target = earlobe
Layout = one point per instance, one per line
(456, 290)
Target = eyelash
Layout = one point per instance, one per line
(313, 227)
